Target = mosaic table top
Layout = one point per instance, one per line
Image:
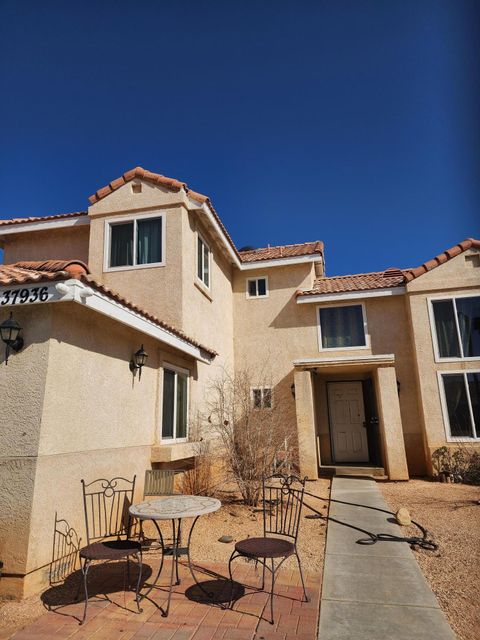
(173, 507)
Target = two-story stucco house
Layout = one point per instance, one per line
(379, 369)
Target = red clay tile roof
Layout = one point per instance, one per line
(392, 277)
(283, 251)
(48, 270)
(411, 274)
(357, 282)
(27, 271)
(75, 214)
(169, 183)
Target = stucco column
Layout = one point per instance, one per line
(391, 423)
(307, 449)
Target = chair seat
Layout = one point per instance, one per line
(265, 548)
(110, 549)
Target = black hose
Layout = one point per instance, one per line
(420, 542)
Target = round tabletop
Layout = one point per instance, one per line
(174, 507)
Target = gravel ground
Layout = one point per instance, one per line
(451, 514)
(233, 519)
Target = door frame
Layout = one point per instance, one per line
(332, 447)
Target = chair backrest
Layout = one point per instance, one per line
(66, 545)
(106, 504)
(282, 504)
(159, 482)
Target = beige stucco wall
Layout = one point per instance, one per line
(456, 277)
(55, 244)
(278, 330)
(22, 386)
(86, 417)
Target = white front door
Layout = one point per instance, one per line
(347, 417)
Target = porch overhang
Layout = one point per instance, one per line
(358, 363)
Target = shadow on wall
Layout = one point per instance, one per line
(66, 547)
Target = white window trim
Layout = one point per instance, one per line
(433, 328)
(262, 389)
(209, 285)
(365, 327)
(247, 294)
(107, 234)
(443, 403)
(185, 372)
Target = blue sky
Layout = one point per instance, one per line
(352, 122)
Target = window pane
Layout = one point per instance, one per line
(252, 288)
(168, 403)
(342, 327)
(121, 244)
(457, 405)
(262, 286)
(200, 259)
(446, 329)
(206, 273)
(267, 398)
(182, 408)
(149, 241)
(474, 388)
(257, 398)
(468, 313)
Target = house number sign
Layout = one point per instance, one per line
(25, 295)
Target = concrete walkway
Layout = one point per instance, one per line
(373, 592)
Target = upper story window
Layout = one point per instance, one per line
(262, 398)
(342, 327)
(175, 403)
(456, 327)
(461, 403)
(136, 242)
(257, 287)
(203, 261)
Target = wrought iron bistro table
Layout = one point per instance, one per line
(174, 508)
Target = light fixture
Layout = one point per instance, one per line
(138, 360)
(10, 334)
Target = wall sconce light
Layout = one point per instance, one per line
(138, 360)
(9, 332)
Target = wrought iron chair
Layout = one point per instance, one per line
(282, 500)
(107, 519)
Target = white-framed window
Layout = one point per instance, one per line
(262, 397)
(203, 261)
(342, 326)
(455, 323)
(257, 287)
(175, 403)
(460, 395)
(134, 242)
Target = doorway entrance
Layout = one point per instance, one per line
(348, 430)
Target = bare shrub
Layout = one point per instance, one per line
(198, 480)
(256, 440)
(461, 462)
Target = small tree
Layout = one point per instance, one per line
(256, 440)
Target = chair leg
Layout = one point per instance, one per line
(128, 573)
(137, 591)
(301, 576)
(232, 557)
(85, 568)
(271, 592)
(263, 574)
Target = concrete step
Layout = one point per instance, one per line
(378, 473)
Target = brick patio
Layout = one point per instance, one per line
(191, 616)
